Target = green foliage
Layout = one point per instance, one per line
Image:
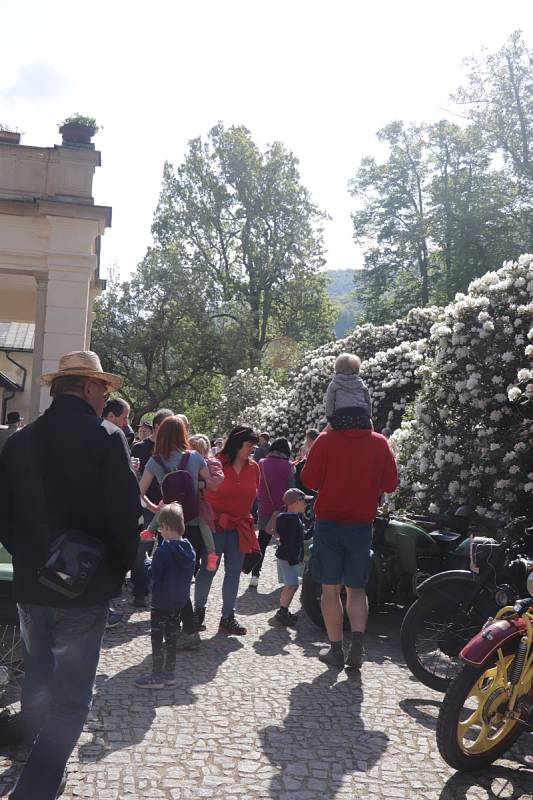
(243, 220)
(80, 119)
(341, 291)
(8, 128)
(439, 211)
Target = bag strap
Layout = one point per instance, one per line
(263, 473)
(184, 460)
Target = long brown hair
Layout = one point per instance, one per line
(171, 435)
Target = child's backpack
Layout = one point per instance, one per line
(178, 487)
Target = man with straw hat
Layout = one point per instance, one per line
(66, 473)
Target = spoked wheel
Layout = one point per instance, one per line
(473, 727)
(434, 631)
(11, 676)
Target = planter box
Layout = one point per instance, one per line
(77, 134)
(9, 137)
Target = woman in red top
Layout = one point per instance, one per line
(234, 526)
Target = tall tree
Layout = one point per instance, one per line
(243, 220)
(498, 98)
(392, 222)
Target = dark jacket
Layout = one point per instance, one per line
(290, 529)
(88, 485)
(172, 570)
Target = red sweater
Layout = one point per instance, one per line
(235, 495)
(350, 469)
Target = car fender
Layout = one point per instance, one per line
(450, 576)
(489, 640)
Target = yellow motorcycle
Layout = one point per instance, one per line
(489, 704)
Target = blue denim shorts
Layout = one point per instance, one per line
(288, 574)
(342, 553)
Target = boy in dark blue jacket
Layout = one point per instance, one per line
(171, 569)
(290, 552)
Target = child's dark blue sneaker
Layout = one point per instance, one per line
(154, 681)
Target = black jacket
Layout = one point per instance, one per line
(291, 538)
(88, 485)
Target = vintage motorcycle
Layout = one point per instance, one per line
(453, 605)
(405, 552)
(489, 704)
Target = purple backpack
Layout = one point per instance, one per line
(178, 487)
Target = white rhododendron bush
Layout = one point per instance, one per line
(390, 354)
(465, 442)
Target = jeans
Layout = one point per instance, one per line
(227, 545)
(61, 651)
(164, 628)
(192, 533)
(264, 539)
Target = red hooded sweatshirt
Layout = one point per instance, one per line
(350, 469)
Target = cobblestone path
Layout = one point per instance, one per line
(260, 717)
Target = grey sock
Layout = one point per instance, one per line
(357, 638)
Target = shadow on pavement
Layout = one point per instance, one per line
(415, 707)
(116, 724)
(512, 783)
(253, 601)
(323, 737)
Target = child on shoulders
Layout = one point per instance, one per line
(290, 552)
(171, 569)
(347, 400)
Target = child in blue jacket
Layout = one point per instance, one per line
(171, 569)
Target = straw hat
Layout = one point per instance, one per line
(84, 363)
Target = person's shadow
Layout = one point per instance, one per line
(252, 601)
(323, 733)
(194, 668)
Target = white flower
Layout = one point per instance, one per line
(508, 356)
(514, 393)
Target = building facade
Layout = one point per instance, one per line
(50, 233)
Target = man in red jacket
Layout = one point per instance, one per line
(350, 468)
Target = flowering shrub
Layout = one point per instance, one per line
(247, 389)
(464, 443)
(388, 368)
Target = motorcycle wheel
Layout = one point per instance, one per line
(12, 664)
(434, 631)
(472, 730)
(310, 600)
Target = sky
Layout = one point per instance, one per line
(322, 77)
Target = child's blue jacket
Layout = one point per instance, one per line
(171, 571)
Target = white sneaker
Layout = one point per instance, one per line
(254, 581)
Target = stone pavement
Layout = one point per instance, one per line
(260, 717)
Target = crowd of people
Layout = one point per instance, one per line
(81, 510)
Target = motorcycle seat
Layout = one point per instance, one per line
(446, 537)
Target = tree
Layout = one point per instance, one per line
(393, 224)
(243, 221)
(498, 98)
(157, 332)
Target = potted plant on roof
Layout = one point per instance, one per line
(78, 129)
(9, 135)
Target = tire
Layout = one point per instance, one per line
(435, 629)
(12, 669)
(489, 682)
(310, 600)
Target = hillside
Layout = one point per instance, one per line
(341, 291)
